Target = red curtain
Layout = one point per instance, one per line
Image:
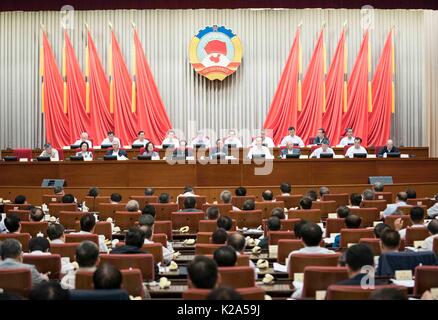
(332, 118)
(356, 116)
(380, 118)
(283, 110)
(310, 118)
(151, 113)
(125, 121)
(101, 119)
(56, 121)
(79, 121)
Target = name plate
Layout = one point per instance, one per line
(299, 277)
(332, 215)
(320, 294)
(403, 275)
(273, 251)
(418, 243)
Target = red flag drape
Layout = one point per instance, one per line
(283, 110)
(151, 112)
(310, 118)
(356, 116)
(56, 121)
(380, 118)
(79, 120)
(125, 121)
(332, 118)
(101, 119)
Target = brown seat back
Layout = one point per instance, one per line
(384, 196)
(56, 208)
(211, 226)
(190, 219)
(93, 203)
(298, 261)
(69, 219)
(319, 278)
(254, 293)
(249, 219)
(435, 245)
(291, 201)
(200, 200)
(345, 292)
(416, 234)
(326, 207)
(144, 200)
(104, 228)
(267, 206)
(22, 214)
(420, 202)
(334, 225)
(206, 248)
(51, 198)
(342, 199)
(389, 220)
(237, 277)
(286, 246)
(312, 215)
(34, 228)
(374, 244)
(125, 219)
(275, 236)
(426, 277)
(45, 263)
(23, 238)
(203, 237)
(163, 211)
(108, 210)
(238, 201)
(70, 238)
(144, 262)
(160, 238)
(354, 235)
(379, 204)
(14, 206)
(164, 227)
(407, 209)
(17, 281)
(65, 249)
(222, 207)
(368, 215)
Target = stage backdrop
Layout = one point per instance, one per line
(240, 101)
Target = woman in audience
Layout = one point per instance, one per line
(85, 153)
(149, 151)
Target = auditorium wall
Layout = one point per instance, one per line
(240, 101)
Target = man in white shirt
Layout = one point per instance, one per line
(167, 254)
(201, 139)
(116, 151)
(259, 149)
(141, 139)
(188, 192)
(400, 200)
(356, 149)
(323, 149)
(233, 139)
(50, 152)
(110, 139)
(285, 188)
(87, 257)
(417, 218)
(433, 229)
(292, 138)
(87, 224)
(84, 138)
(267, 141)
(348, 139)
(432, 212)
(171, 139)
(226, 196)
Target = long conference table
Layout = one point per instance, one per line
(159, 173)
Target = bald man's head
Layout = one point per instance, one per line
(237, 241)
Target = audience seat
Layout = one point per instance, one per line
(292, 201)
(286, 225)
(144, 262)
(384, 196)
(242, 259)
(267, 206)
(426, 277)
(320, 278)
(435, 245)
(155, 249)
(298, 261)
(163, 211)
(238, 201)
(312, 215)
(65, 249)
(22, 214)
(237, 277)
(211, 225)
(56, 208)
(105, 295)
(69, 219)
(380, 205)
(45, 263)
(23, 238)
(248, 219)
(16, 281)
(34, 228)
(203, 237)
(420, 202)
(14, 206)
(108, 210)
(354, 235)
(275, 236)
(144, 200)
(407, 209)
(104, 228)
(389, 220)
(374, 244)
(125, 219)
(326, 207)
(206, 248)
(70, 238)
(200, 200)
(190, 219)
(92, 202)
(23, 153)
(345, 292)
(254, 293)
(164, 227)
(286, 246)
(334, 225)
(368, 215)
(51, 198)
(416, 234)
(223, 208)
(342, 199)
(160, 238)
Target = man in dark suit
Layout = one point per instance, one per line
(133, 242)
(360, 263)
(289, 149)
(389, 147)
(190, 205)
(116, 151)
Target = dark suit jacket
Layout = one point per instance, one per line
(355, 281)
(390, 262)
(284, 151)
(319, 141)
(191, 210)
(120, 153)
(385, 150)
(264, 243)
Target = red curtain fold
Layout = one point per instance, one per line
(310, 118)
(380, 118)
(332, 118)
(151, 112)
(79, 120)
(283, 110)
(356, 116)
(125, 121)
(100, 116)
(56, 121)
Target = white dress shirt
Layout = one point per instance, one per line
(295, 140)
(204, 140)
(345, 141)
(144, 142)
(317, 152)
(107, 141)
(69, 280)
(392, 208)
(428, 242)
(173, 141)
(268, 141)
(78, 142)
(432, 212)
(310, 250)
(54, 156)
(87, 155)
(234, 140)
(353, 150)
(260, 150)
(167, 254)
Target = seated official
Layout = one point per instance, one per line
(273, 224)
(225, 197)
(182, 151)
(320, 137)
(238, 242)
(285, 189)
(212, 213)
(224, 222)
(351, 222)
(203, 273)
(417, 218)
(87, 225)
(219, 236)
(84, 138)
(388, 148)
(233, 139)
(85, 153)
(290, 149)
(110, 138)
(400, 200)
(190, 204)
(433, 230)
(12, 223)
(201, 139)
(36, 214)
(55, 233)
(116, 151)
(356, 148)
(432, 212)
(324, 149)
(259, 149)
(225, 256)
(148, 232)
(348, 139)
(266, 141)
(149, 151)
(219, 150)
(292, 137)
(171, 139)
(134, 241)
(50, 152)
(107, 277)
(141, 139)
